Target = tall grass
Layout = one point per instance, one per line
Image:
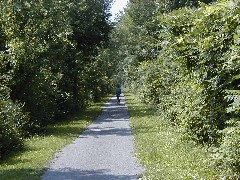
(31, 162)
(161, 149)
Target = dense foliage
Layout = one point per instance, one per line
(185, 62)
(182, 57)
(50, 63)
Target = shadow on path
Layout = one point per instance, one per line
(104, 151)
(101, 174)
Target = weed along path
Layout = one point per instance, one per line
(103, 152)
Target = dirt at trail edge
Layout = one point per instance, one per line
(103, 152)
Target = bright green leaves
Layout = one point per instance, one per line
(191, 74)
(209, 51)
(236, 38)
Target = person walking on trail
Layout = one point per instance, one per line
(118, 92)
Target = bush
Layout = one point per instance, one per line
(227, 156)
(12, 126)
(195, 76)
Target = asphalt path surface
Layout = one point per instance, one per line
(103, 152)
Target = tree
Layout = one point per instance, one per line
(48, 53)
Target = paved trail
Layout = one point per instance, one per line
(103, 152)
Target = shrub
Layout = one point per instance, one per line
(197, 62)
(227, 156)
(12, 126)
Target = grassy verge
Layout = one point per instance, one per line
(161, 150)
(31, 162)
